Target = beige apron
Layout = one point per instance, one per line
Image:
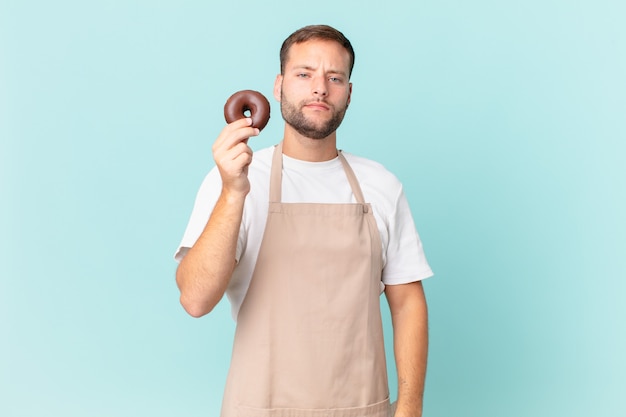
(309, 339)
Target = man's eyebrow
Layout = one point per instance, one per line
(303, 67)
(310, 68)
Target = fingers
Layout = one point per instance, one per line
(233, 155)
(232, 141)
(237, 131)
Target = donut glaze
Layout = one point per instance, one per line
(248, 100)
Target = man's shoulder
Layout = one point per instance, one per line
(369, 170)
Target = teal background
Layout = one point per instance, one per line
(504, 119)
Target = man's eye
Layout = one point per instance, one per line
(303, 75)
(335, 79)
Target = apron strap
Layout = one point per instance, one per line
(354, 183)
(276, 176)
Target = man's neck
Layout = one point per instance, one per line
(306, 149)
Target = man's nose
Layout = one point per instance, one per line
(319, 87)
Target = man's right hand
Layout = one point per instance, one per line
(233, 156)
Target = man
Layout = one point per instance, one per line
(302, 239)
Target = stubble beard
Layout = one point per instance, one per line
(294, 117)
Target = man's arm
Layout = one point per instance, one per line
(409, 316)
(204, 273)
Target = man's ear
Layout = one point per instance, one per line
(278, 87)
(349, 95)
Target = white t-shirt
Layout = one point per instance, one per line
(314, 182)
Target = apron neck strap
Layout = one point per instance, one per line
(354, 183)
(276, 176)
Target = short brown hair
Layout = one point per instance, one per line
(315, 32)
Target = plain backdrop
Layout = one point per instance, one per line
(504, 119)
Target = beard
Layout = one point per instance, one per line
(293, 116)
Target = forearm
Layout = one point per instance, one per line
(410, 327)
(204, 273)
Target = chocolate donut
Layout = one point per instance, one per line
(248, 100)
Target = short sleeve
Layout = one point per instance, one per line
(406, 260)
(205, 201)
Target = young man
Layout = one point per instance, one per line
(303, 239)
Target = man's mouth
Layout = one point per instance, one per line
(317, 105)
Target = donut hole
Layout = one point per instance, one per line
(247, 113)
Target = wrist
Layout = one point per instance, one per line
(234, 195)
(403, 410)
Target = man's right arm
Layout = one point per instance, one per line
(205, 271)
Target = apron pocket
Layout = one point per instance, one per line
(381, 409)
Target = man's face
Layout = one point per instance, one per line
(314, 91)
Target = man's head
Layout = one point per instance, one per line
(314, 86)
(315, 32)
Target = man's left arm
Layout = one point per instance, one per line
(409, 316)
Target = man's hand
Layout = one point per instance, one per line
(233, 156)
